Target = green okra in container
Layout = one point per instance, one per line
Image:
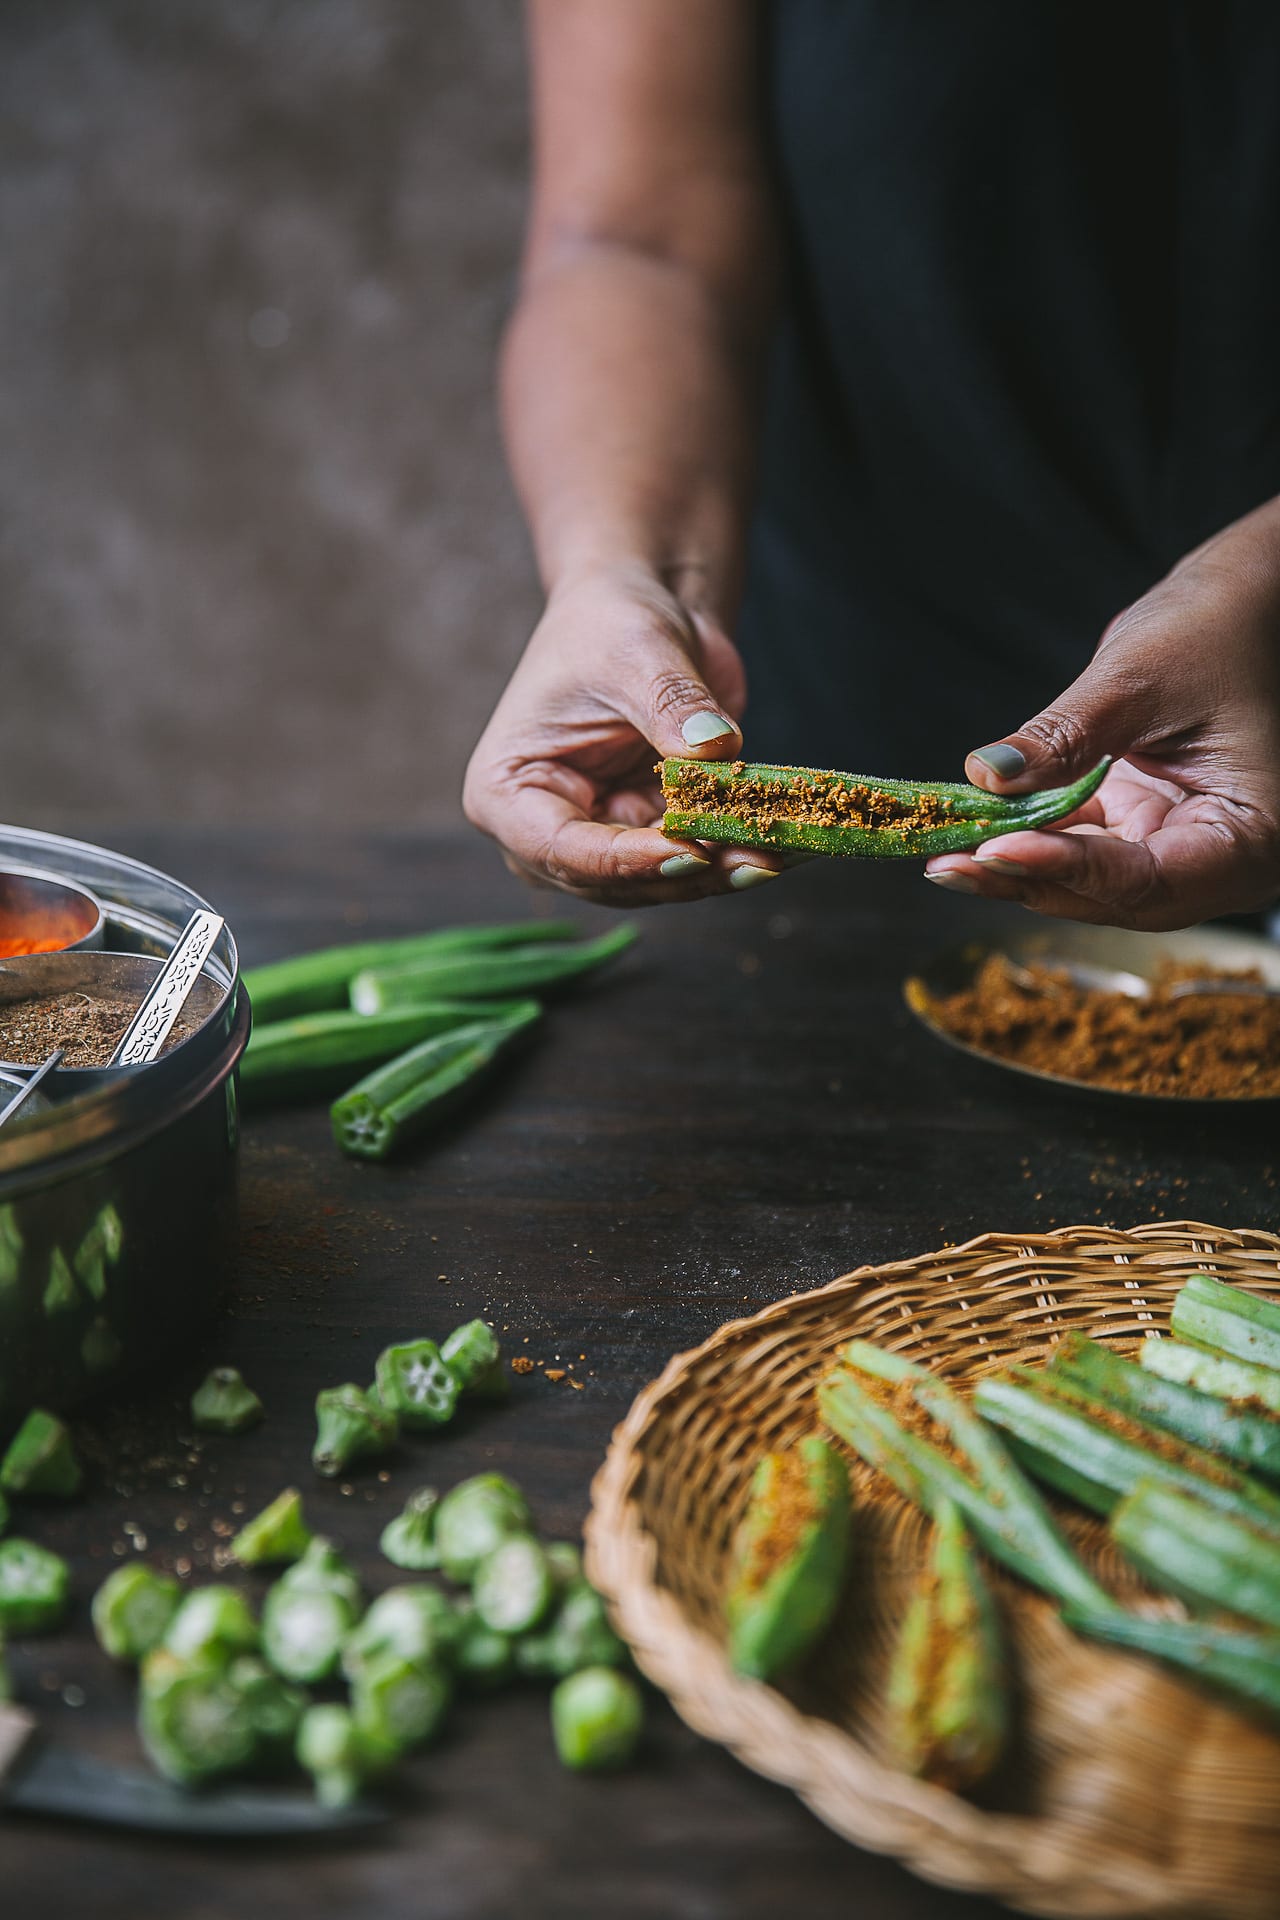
(1239, 1661)
(789, 1557)
(1228, 1320)
(948, 1695)
(811, 810)
(396, 1103)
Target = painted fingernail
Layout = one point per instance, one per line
(701, 727)
(953, 882)
(1004, 761)
(999, 863)
(743, 877)
(681, 864)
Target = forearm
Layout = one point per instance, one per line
(629, 403)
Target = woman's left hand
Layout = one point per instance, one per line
(1184, 693)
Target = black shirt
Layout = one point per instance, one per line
(1030, 353)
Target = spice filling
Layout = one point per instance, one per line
(816, 800)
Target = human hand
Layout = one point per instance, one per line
(1184, 691)
(620, 672)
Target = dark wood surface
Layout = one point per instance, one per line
(740, 1110)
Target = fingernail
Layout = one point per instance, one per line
(701, 727)
(953, 882)
(743, 877)
(1005, 762)
(998, 863)
(681, 864)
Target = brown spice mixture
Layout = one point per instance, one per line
(1208, 1047)
(87, 1029)
(821, 800)
(791, 1514)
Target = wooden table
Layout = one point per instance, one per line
(740, 1110)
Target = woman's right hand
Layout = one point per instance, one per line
(619, 673)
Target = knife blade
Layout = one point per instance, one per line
(37, 1777)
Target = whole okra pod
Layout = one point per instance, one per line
(523, 970)
(947, 1697)
(811, 810)
(1229, 1320)
(1243, 1663)
(396, 1103)
(789, 1557)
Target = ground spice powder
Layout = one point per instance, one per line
(1200, 1046)
(87, 1028)
(815, 799)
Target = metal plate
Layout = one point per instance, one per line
(1142, 953)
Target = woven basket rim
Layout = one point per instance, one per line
(1031, 1863)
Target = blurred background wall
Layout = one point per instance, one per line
(259, 559)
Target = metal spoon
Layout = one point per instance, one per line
(150, 1027)
(47, 1065)
(1095, 979)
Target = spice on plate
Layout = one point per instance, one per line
(1199, 1046)
(88, 1028)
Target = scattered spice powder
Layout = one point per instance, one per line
(1210, 1046)
(87, 1028)
(817, 800)
(522, 1364)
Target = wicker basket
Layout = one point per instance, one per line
(1131, 1791)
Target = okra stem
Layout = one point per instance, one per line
(812, 810)
(1247, 1664)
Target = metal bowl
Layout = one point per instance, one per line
(41, 913)
(1142, 953)
(118, 1204)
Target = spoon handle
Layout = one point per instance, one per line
(152, 1023)
(47, 1065)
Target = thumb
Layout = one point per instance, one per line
(1105, 711)
(669, 702)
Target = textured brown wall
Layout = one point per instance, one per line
(259, 559)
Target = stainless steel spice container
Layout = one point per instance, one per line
(118, 1206)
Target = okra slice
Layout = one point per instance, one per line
(1250, 1437)
(1201, 1554)
(513, 970)
(322, 1569)
(474, 1357)
(133, 1609)
(414, 1382)
(565, 1561)
(1246, 1664)
(414, 1623)
(475, 1517)
(276, 1535)
(211, 1618)
(223, 1403)
(351, 1424)
(400, 1703)
(947, 1696)
(1234, 1380)
(339, 1758)
(1229, 1320)
(274, 1706)
(814, 810)
(34, 1584)
(580, 1634)
(40, 1459)
(194, 1723)
(597, 1717)
(303, 1631)
(481, 1657)
(789, 1557)
(409, 1541)
(513, 1586)
(60, 1294)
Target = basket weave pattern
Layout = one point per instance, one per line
(1131, 1791)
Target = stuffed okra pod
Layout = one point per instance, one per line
(811, 810)
(1240, 1662)
(1205, 1556)
(1249, 1436)
(1251, 1387)
(789, 1557)
(968, 1464)
(1228, 1320)
(948, 1707)
(1096, 1454)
